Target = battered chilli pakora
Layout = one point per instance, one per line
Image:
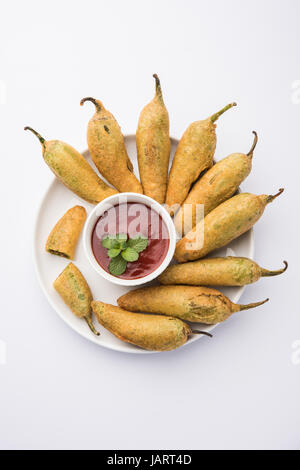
(194, 154)
(216, 186)
(153, 146)
(226, 222)
(189, 303)
(72, 169)
(75, 292)
(64, 236)
(108, 151)
(152, 332)
(230, 271)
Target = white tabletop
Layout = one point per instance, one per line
(239, 390)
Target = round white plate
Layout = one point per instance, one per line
(57, 200)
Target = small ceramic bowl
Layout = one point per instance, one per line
(122, 198)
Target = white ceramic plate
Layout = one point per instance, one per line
(57, 200)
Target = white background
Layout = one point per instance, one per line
(239, 390)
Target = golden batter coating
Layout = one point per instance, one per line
(76, 293)
(223, 224)
(72, 169)
(216, 186)
(189, 303)
(64, 236)
(194, 155)
(108, 151)
(153, 146)
(229, 271)
(152, 332)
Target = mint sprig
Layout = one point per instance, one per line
(117, 266)
(121, 251)
(138, 243)
(129, 254)
(113, 252)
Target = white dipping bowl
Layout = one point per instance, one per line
(122, 198)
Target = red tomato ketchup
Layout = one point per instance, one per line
(134, 219)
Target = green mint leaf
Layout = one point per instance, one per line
(107, 242)
(121, 237)
(117, 266)
(130, 254)
(138, 243)
(113, 252)
(115, 241)
(110, 242)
